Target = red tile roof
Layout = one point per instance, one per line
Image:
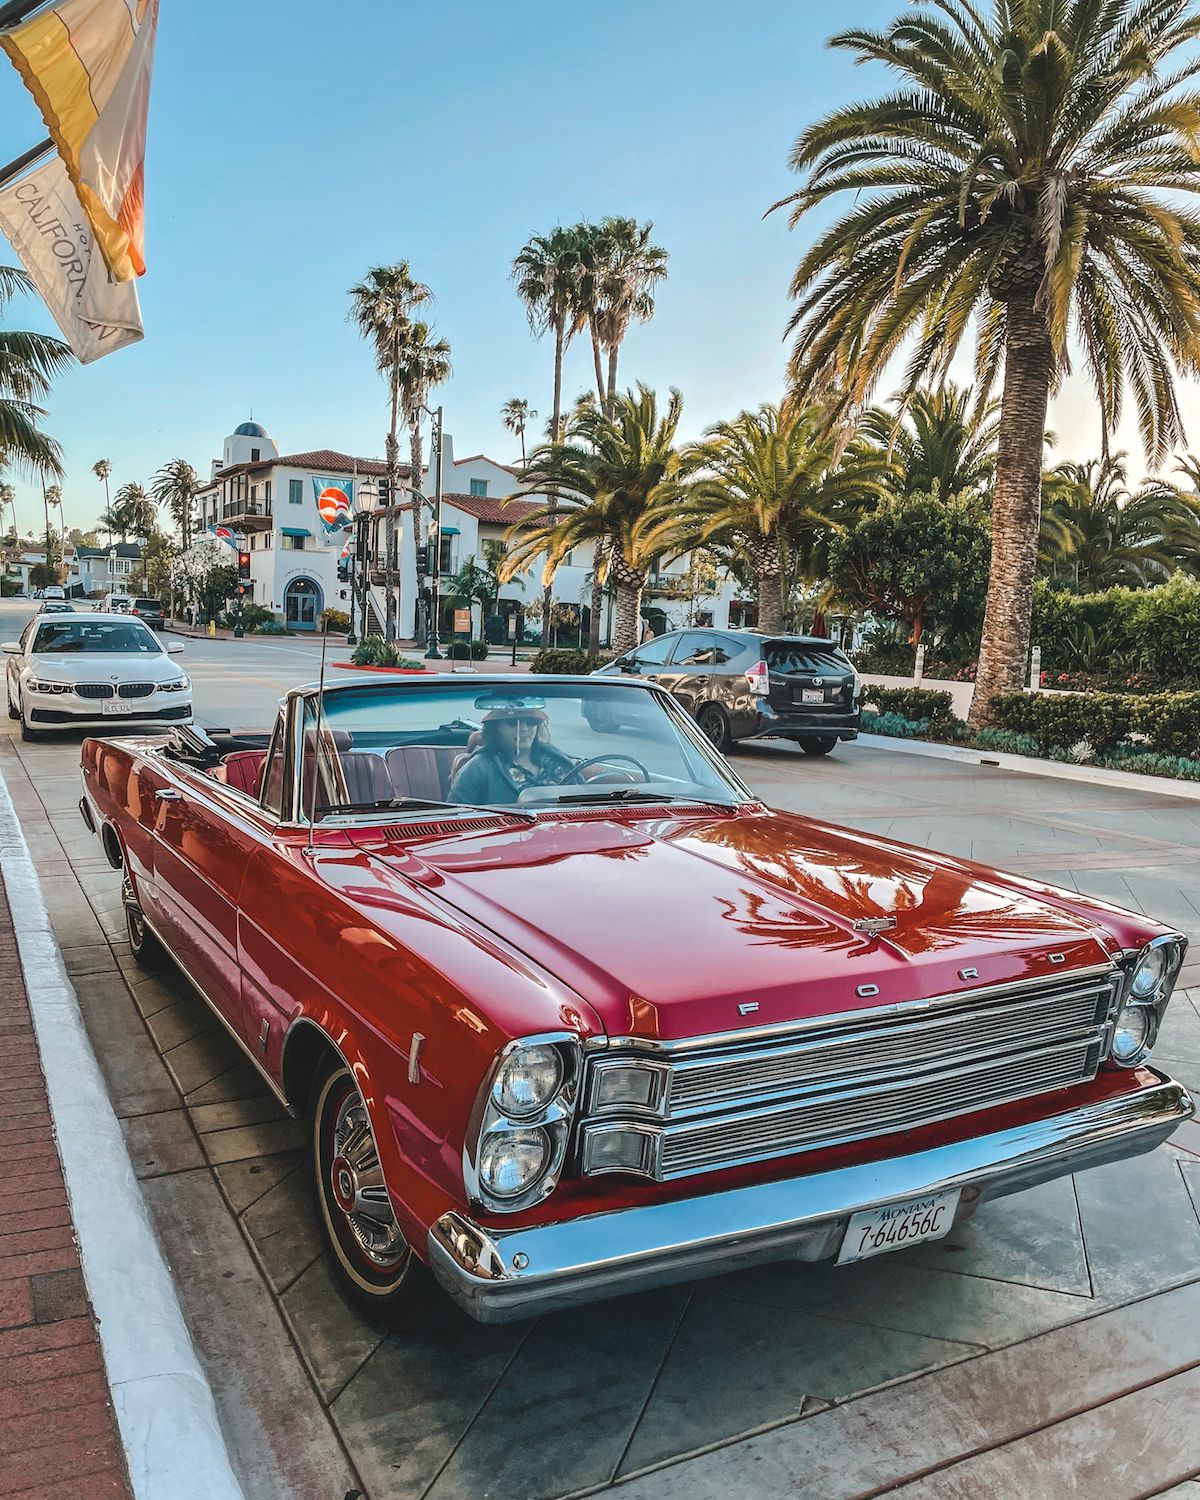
(475, 457)
(486, 509)
(323, 460)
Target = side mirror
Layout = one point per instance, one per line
(174, 648)
(12, 648)
(627, 666)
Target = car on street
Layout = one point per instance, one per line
(149, 610)
(568, 1012)
(56, 607)
(116, 604)
(81, 671)
(739, 684)
(53, 591)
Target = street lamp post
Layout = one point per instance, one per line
(112, 570)
(365, 496)
(239, 541)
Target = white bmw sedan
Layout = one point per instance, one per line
(91, 672)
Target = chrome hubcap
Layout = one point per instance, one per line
(357, 1187)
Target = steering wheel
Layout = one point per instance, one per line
(576, 771)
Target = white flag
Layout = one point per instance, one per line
(42, 217)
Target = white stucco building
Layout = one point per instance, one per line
(271, 499)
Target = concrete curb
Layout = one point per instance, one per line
(1029, 765)
(164, 1407)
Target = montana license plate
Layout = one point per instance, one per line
(812, 695)
(876, 1230)
(115, 706)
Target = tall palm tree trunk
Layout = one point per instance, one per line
(1016, 506)
(613, 351)
(629, 583)
(552, 494)
(768, 576)
(416, 461)
(392, 457)
(597, 604)
(596, 361)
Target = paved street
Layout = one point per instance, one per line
(1051, 1347)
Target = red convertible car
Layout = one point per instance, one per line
(571, 1013)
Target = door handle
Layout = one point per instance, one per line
(169, 794)
(651, 676)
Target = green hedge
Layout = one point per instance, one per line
(1169, 723)
(566, 660)
(912, 703)
(1122, 633)
(467, 650)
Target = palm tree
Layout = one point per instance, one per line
(546, 273)
(102, 469)
(381, 308)
(516, 415)
(617, 468)
(51, 500)
(133, 512)
(1016, 179)
(424, 363)
(937, 440)
(175, 486)
(8, 501)
(28, 364)
(1110, 536)
(766, 484)
(631, 269)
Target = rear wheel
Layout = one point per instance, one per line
(142, 942)
(820, 744)
(373, 1262)
(714, 726)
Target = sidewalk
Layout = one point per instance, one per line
(58, 1435)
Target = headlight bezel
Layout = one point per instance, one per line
(1168, 949)
(176, 685)
(47, 688)
(553, 1117)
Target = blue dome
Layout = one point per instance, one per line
(250, 429)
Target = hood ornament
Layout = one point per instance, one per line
(873, 926)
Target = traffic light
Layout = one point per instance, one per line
(385, 492)
(244, 567)
(362, 542)
(343, 570)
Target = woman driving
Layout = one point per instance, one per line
(514, 752)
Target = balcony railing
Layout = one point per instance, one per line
(236, 510)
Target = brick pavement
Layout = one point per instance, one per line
(58, 1437)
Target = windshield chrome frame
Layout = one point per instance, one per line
(298, 699)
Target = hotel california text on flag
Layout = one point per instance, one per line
(79, 224)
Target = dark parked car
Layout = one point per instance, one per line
(740, 685)
(151, 611)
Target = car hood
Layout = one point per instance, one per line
(102, 666)
(675, 926)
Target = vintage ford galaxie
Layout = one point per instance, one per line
(570, 1012)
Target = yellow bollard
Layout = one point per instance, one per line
(212, 628)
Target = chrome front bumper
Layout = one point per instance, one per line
(498, 1275)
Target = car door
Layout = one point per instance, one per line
(201, 844)
(648, 660)
(688, 673)
(18, 662)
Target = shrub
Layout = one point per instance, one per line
(911, 703)
(1006, 740)
(1171, 723)
(269, 627)
(1064, 720)
(1148, 763)
(374, 651)
(896, 726)
(565, 659)
(336, 620)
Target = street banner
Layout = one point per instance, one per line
(334, 497)
(41, 215)
(224, 534)
(87, 64)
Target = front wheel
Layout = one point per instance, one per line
(820, 744)
(714, 726)
(142, 942)
(371, 1259)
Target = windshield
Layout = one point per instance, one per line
(107, 637)
(503, 745)
(144, 604)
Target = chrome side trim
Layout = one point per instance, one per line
(500, 1274)
(1019, 988)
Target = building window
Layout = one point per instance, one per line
(479, 487)
(295, 492)
(268, 540)
(292, 543)
(444, 561)
(255, 455)
(267, 491)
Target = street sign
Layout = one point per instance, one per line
(462, 622)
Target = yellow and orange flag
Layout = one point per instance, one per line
(87, 63)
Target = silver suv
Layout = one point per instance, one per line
(739, 685)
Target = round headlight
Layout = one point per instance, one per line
(1150, 971)
(1134, 1034)
(526, 1081)
(511, 1161)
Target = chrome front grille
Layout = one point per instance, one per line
(751, 1096)
(717, 1142)
(94, 689)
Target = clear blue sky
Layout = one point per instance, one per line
(292, 145)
